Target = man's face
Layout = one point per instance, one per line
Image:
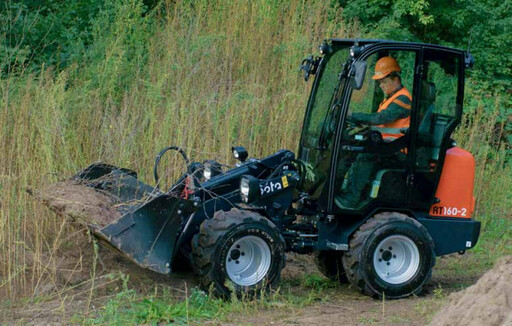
(388, 84)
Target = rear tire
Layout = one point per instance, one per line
(391, 255)
(238, 251)
(330, 264)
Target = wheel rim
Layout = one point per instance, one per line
(248, 260)
(396, 259)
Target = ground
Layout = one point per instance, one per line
(85, 283)
(305, 298)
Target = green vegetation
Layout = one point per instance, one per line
(117, 81)
(128, 307)
(177, 74)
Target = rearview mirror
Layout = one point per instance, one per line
(357, 74)
(309, 65)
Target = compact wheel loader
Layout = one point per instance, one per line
(234, 226)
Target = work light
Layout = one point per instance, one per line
(249, 188)
(239, 153)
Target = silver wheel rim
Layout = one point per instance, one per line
(248, 260)
(396, 259)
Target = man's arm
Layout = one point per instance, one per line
(400, 108)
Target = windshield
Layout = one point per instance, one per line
(323, 96)
(319, 125)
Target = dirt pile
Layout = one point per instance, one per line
(488, 302)
(79, 202)
(68, 265)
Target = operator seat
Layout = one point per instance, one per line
(427, 149)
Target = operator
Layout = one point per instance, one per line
(394, 113)
(391, 119)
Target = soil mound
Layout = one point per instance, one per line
(79, 202)
(488, 302)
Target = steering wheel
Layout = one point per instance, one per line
(352, 127)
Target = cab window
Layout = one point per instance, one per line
(372, 161)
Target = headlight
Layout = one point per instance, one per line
(207, 173)
(244, 189)
(249, 188)
(355, 51)
(325, 48)
(211, 169)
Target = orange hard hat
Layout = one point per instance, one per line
(385, 66)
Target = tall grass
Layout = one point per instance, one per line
(481, 132)
(204, 75)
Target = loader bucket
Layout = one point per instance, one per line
(150, 221)
(147, 234)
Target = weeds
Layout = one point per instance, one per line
(318, 283)
(180, 76)
(127, 307)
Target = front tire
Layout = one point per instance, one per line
(238, 251)
(391, 255)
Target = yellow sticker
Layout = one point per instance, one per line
(285, 181)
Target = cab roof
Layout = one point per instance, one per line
(363, 42)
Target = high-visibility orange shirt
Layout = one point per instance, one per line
(398, 124)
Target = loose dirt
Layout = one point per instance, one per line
(76, 256)
(488, 302)
(79, 202)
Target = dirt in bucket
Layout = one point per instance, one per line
(488, 302)
(73, 257)
(79, 202)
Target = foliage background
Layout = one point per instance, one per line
(118, 80)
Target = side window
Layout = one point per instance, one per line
(368, 98)
(323, 97)
(319, 126)
(438, 105)
(363, 100)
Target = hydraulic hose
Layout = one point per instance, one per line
(301, 170)
(159, 156)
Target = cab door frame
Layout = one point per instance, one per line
(446, 143)
(368, 50)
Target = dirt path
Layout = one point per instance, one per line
(346, 306)
(341, 305)
(342, 311)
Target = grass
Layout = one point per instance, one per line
(181, 76)
(128, 307)
(188, 76)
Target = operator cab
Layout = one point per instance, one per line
(355, 167)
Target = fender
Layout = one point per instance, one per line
(455, 191)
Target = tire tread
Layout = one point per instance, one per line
(204, 245)
(351, 259)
